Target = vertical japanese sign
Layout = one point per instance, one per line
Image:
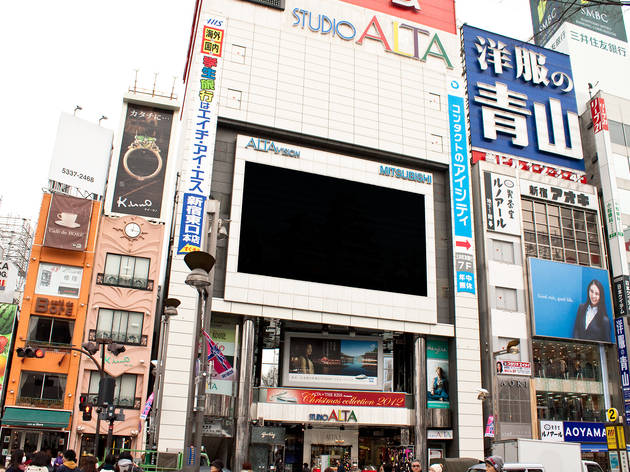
(621, 295)
(621, 328)
(503, 204)
(599, 115)
(7, 320)
(460, 190)
(521, 99)
(203, 98)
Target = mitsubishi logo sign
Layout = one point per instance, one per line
(407, 3)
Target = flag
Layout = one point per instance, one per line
(147, 407)
(220, 363)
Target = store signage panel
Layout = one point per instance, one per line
(503, 204)
(514, 368)
(460, 190)
(549, 15)
(440, 434)
(54, 307)
(621, 294)
(621, 328)
(336, 398)
(265, 145)
(438, 14)
(334, 416)
(552, 431)
(59, 280)
(563, 196)
(267, 435)
(333, 361)
(584, 432)
(560, 308)
(68, 222)
(8, 281)
(203, 102)
(599, 115)
(521, 99)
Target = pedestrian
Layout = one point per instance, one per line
(216, 466)
(39, 463)
(494, 464)
(416, 466)
(435, 468)
(16, 464)
(109, 464)
(58, 461)
(306, 468)
(87, 463)
(69, 462)
(126, 464)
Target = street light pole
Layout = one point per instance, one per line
(101, 374)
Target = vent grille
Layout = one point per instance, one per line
(279, 4)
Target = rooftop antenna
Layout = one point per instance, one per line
(103, 117)
(135, 80)
(154, 82)
(173, 87)
(77, 108)
(591, 87)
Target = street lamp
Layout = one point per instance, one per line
(511, 348)
(170, 310)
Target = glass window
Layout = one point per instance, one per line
(42, 386)
(506, 298)
(269, 370)
(59, 280)
(616, 132)
(121, 326)
(503, 251)
(126, 271)
(124, 390)
(50, 330)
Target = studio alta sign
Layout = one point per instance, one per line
(338, 416)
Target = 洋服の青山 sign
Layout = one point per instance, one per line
(339, 416)
(425, 43)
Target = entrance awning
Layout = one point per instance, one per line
(37, 417)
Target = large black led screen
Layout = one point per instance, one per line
(297, 225)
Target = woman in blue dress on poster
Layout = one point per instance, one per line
(439, 390)
(592, 321)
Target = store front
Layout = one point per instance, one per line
(118, 443)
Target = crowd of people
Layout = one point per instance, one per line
(66, 461)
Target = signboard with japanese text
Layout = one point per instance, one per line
(8, 315)
(8, 281)
(621, 295)
(548, 16)
(563, 196)
(551, 431)
(293, 396)
(68, 222)
(503, 204)
(58, 280)
(621, 328)
(76, 139)
(138, 187)
(521, 99)
(514, 368)
(599, 115)
(201, 106)
(460, 190)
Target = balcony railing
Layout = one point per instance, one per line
(39, 402)
(126, 403)
(122, 281)
(120, 338)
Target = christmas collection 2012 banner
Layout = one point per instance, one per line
(335, 398)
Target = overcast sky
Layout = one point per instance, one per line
(56, 55)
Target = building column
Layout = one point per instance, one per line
(245, 394)
(420, 400)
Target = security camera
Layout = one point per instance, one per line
(482, 394)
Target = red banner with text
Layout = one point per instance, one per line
(335, 397)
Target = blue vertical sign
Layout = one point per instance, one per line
(191, 224)
(460, 190)
(622, 354)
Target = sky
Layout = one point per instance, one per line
(56, 55)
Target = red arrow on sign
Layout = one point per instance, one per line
(465, 244)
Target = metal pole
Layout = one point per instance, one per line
(97, 433)
(244, 400)
(420, 400)
(110, 437)
(156, 411)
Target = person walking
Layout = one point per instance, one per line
(69, 462)
(494, 464)
(109, 464)
(16, 464)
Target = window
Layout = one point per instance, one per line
(238, 54)
(619, 133)
(433, 100)
(121, 326)
(50, 330)
(506, 298)
(503, 251)
(126, 271)
(435, 143)
(561, 233)
(269, 370)
(124, 391)
(41, 386)
(59, 280)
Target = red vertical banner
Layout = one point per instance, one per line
(599, 115)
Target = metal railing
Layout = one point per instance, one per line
(55, 403)
(122, 281)
(121, 338)
(129, 403)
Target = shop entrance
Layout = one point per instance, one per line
(323, 455)
(30, 440)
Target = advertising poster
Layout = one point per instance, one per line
(68, 222)
(503, 204)
(549, 15)
(223, 335)
(7, 320)
(514, 368)
(521, 99)
(59, 280)
(8, 281)
(77, 138)
(437, 374)
(139, 183)
(333, 362)
(340, 398)
(571, 301)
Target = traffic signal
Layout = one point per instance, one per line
(110, 412)
(87, 412)
(116, 348)
(83, 401)
(28, 351)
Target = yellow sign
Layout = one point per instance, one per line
(621, 438)
(611, 436)
(612, 415)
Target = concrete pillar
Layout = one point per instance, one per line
(420, 399)
(245, 394)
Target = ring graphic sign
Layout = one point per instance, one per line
(68, 222)
(139, 183)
